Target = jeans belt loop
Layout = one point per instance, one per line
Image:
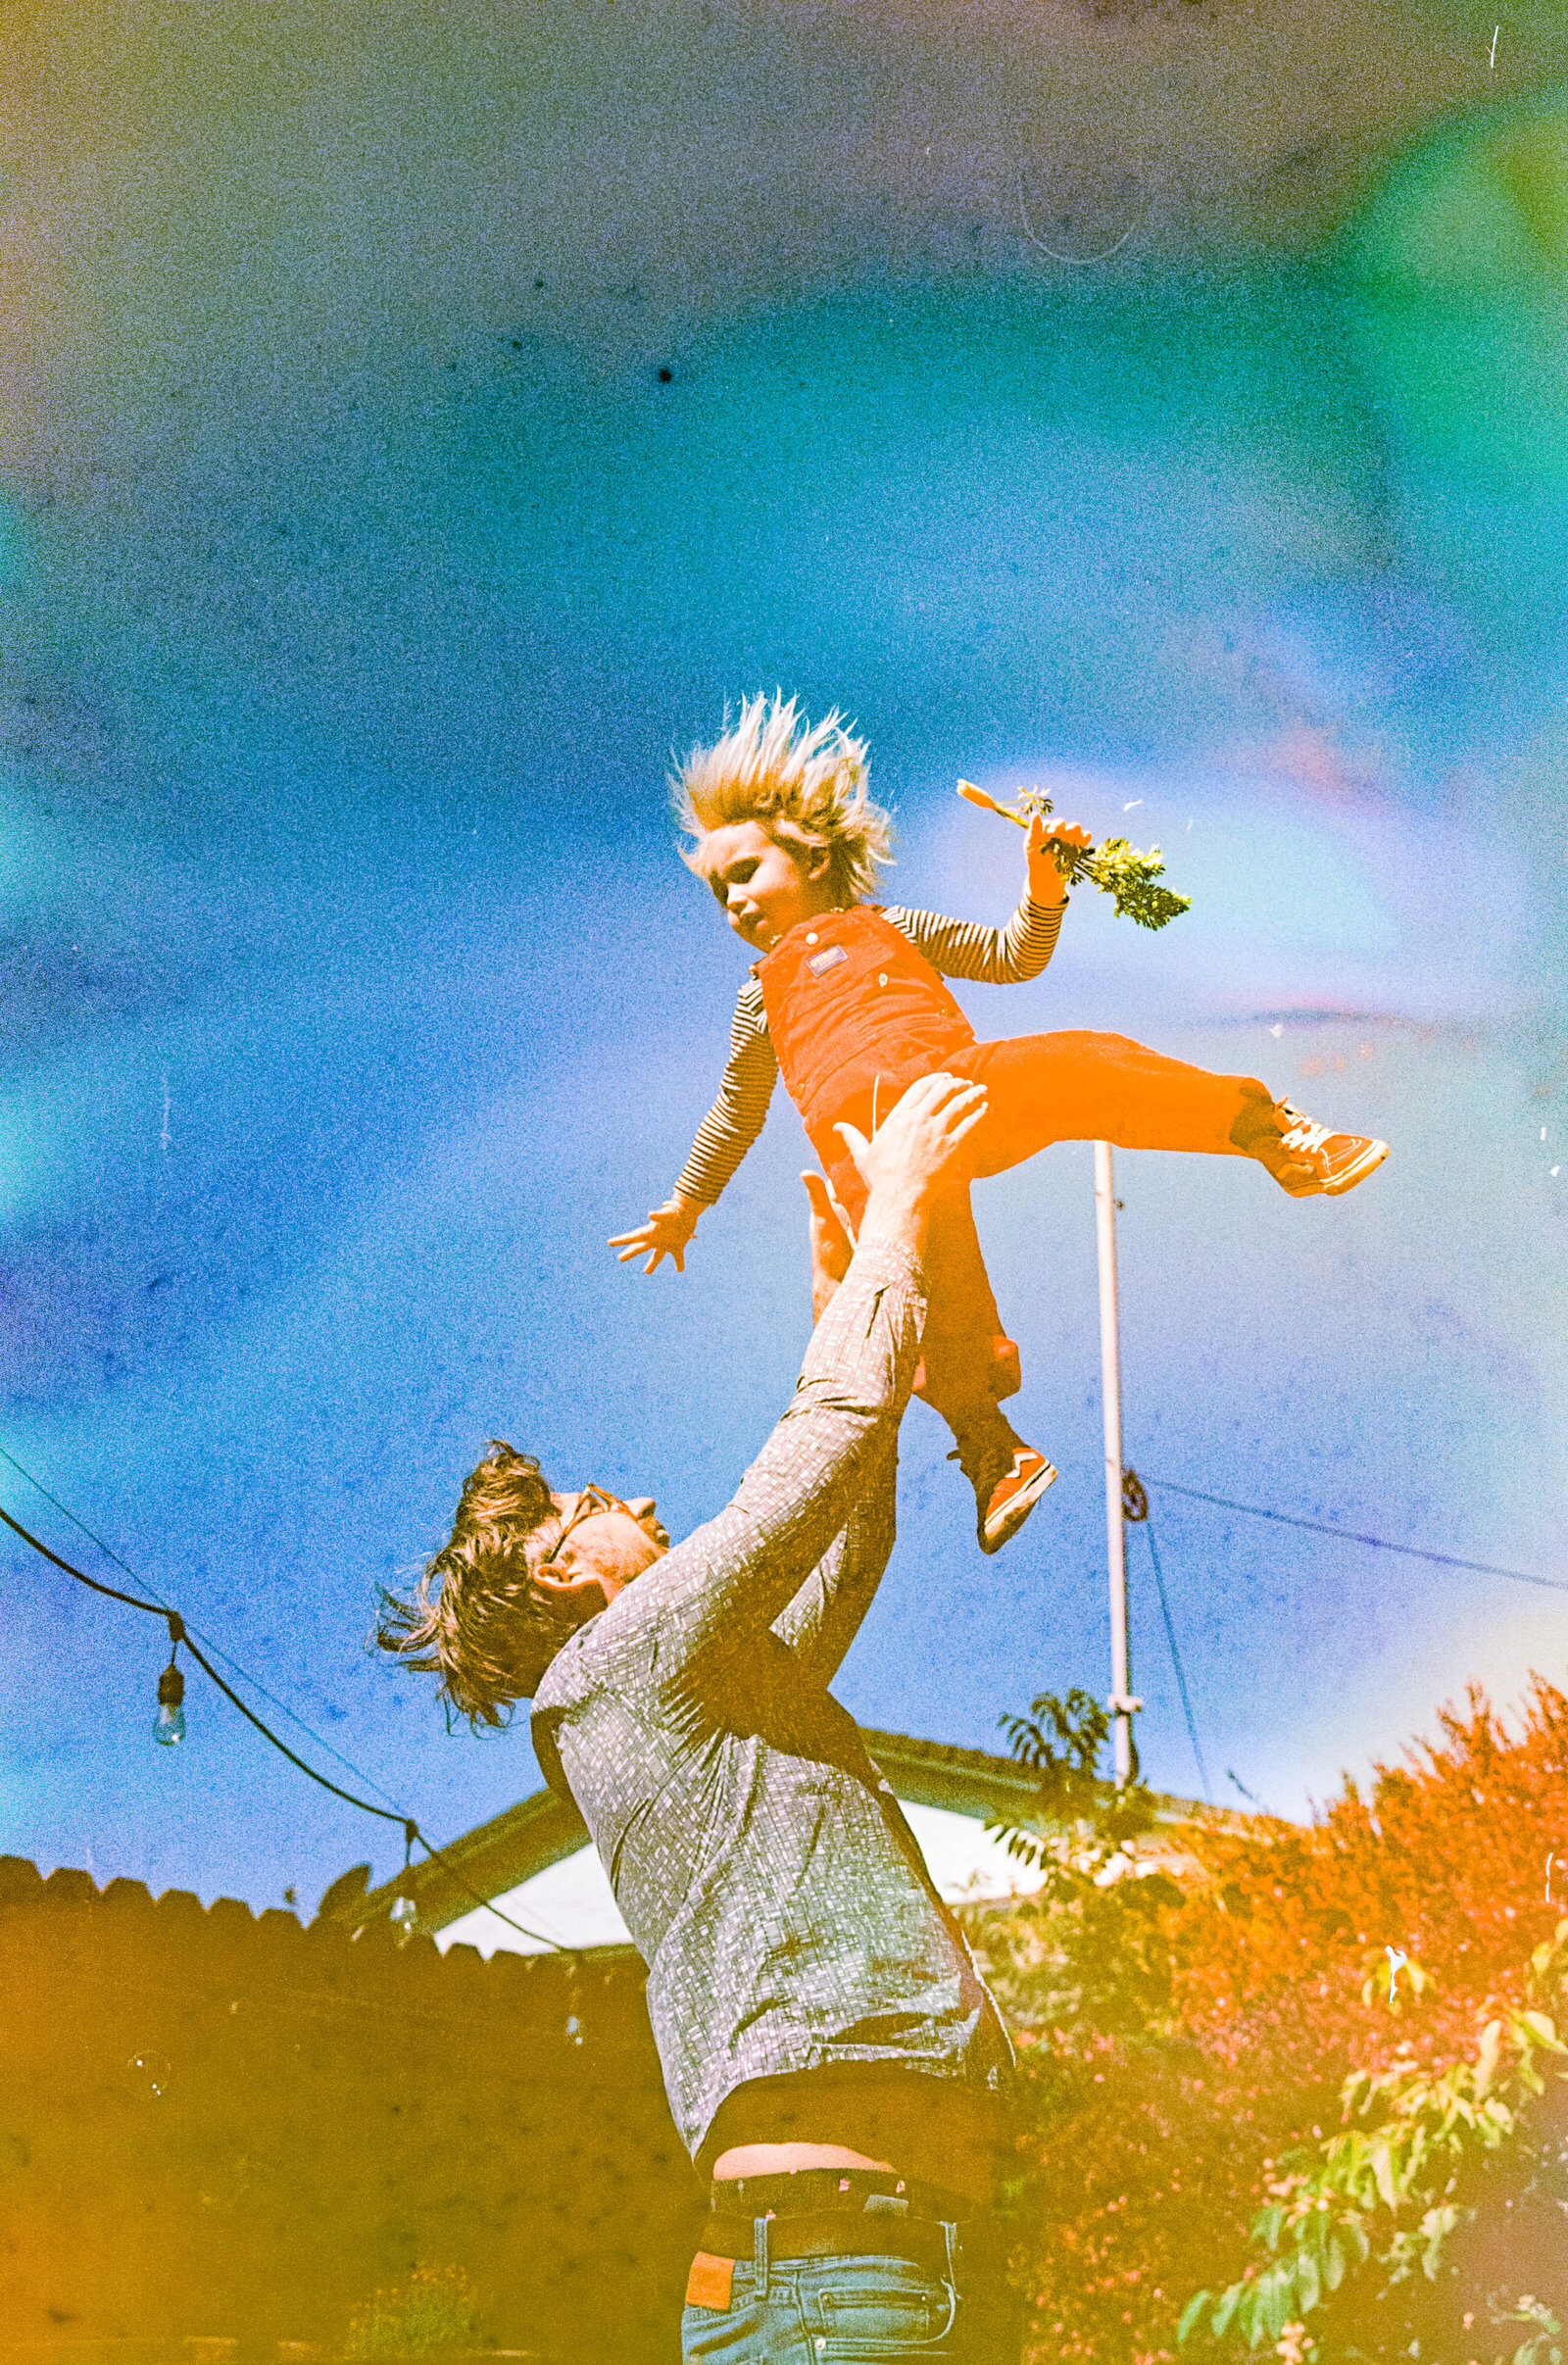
(760, 2256)
(949, 2235)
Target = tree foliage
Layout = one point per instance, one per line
(1210, 2050)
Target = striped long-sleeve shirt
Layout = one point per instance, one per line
(954, 948)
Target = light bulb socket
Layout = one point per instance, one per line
(170, 1687)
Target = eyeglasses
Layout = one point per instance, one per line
(589, 1505)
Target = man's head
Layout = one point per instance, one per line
(525, 1568)
(806, 788)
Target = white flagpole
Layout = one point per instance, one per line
(1120, 1703)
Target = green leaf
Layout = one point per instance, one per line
(1229, 2301)
(1190, 2315)
(1486, 2068)
(1275, 2291)
(1307, 2282)
(1382, 2166)
(1334, 2262)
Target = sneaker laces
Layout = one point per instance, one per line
(1302, 1136)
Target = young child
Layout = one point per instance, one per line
(847, 1003)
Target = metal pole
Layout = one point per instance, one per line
(1120, 1703)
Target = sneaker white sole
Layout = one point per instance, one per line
(1006, 1522)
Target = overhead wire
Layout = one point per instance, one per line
(1351, 1535)
(246, 1674)
(1135, 1511)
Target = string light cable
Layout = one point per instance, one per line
(170, 1694)
(246, 1674)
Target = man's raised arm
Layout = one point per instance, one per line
(731, 1578)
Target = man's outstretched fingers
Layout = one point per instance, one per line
(922, 1129)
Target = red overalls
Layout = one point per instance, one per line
(856, 1012)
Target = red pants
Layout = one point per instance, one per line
(1041, 1088)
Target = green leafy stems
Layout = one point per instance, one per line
(1385, 2194)
(1115, 867)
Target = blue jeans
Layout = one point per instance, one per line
(869, 2310)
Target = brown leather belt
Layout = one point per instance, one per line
(831, 2234)
(848, 2189)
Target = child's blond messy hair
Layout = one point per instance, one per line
(801, 784)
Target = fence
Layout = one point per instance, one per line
(220, 2126)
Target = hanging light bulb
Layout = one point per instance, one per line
(405, 1908)
(169, 1724)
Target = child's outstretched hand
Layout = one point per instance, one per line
(1046, 882)
(668, 1233)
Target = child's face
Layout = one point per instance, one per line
(765, 884)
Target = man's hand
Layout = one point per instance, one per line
(667, 1232)
(1045, 883)
(914, 1156)
(832, 1244)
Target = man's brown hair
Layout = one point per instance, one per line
(477, 1619)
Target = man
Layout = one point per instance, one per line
(832, 2057)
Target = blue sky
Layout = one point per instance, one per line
(357, 994)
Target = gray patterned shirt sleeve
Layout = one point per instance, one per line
(758, 1857)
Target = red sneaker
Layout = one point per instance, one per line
(1312, 1162)
(1013, 1498)
(1008, 1479)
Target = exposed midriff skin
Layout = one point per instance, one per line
(927, 2129)
(783, 2160)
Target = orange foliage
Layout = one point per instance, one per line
(1146, 2156)
(1446, 1862)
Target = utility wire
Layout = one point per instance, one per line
(1135, 1511)
(1351, 1535)
(179, 1633)
(39, 1485)
(1176, 1660)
